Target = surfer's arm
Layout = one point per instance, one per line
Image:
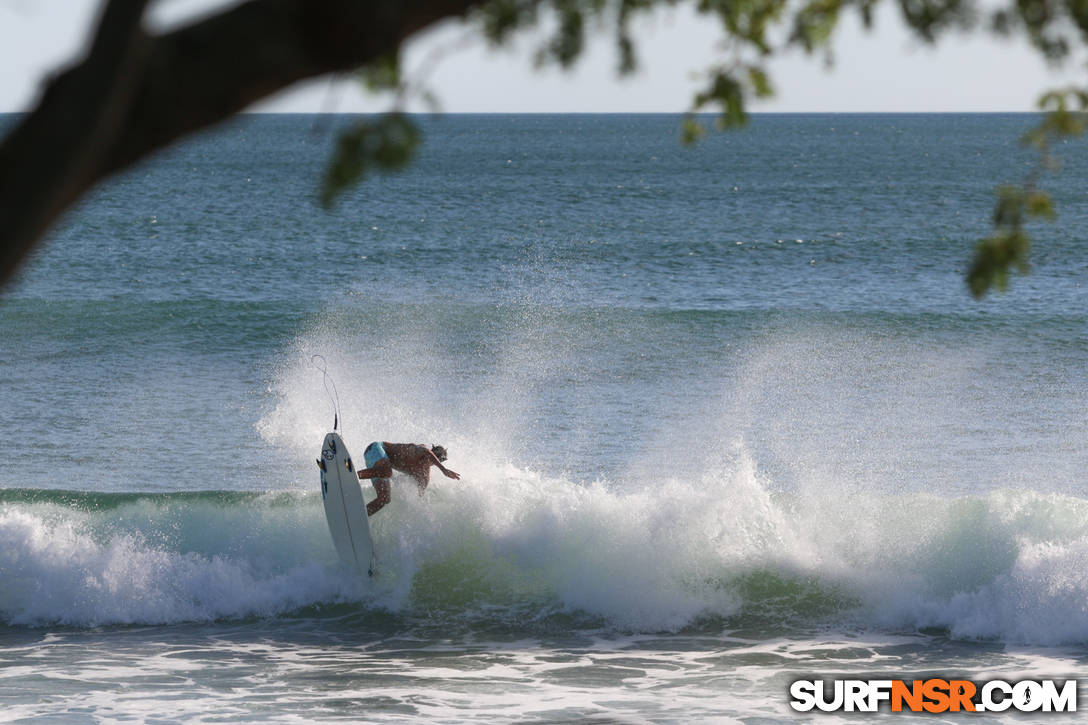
(433, 460)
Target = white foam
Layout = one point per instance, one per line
(57, 568)
(651, 546)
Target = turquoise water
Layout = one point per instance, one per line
(726, 416)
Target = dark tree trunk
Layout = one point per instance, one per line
(134, 94)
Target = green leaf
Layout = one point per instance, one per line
(569, 39)
(814, 23)
(760, 82)
(499, 18)
(381, 75)
(386, 143)
(692, 130)
(1009, 247)
(626, 48)
(727, 93)
(994, 258)
(1039, 204)
(1009, 209)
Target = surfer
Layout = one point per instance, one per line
(383, 458)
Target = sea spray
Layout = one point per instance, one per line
(511, 545)
(779, 495)
(722, 504)
(158, 559)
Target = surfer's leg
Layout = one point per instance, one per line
(382, 488)
(378, 465)
(382, 470)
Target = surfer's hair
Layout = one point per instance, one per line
(439, 453)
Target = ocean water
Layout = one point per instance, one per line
(726, 417)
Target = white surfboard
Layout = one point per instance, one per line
(345, 508)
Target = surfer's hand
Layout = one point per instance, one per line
(451, 474)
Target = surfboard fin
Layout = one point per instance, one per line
(321, 464)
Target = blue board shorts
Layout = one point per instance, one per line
(374, 453)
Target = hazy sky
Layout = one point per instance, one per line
(880, 71)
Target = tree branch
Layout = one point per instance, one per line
(48, 161)
(135, 94)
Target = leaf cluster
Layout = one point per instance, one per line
(384, 143)
(1008, 248)
(752, 32)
